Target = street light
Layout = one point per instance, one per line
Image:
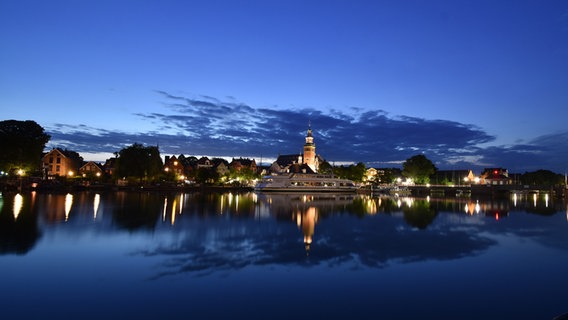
(20, 174)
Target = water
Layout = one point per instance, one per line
(242, 256)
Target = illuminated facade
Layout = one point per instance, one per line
(310, 158)
(91, 169)
(308, 162)
(59, 162)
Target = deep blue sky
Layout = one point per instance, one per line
(470, 84)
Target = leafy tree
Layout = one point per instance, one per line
(139, 162)
(22, 144)
(325, 168)
(389, 175)
(353, 172)
(542, 178)
(418, 168)
(206, 176)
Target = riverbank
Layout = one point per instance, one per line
(56, 186)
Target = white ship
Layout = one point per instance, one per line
(305, 182)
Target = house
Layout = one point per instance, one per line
(59, 162)
(221, 166)
(240, 164)
(204, 162)
(91, 169)
(284, 162)
(172, 164)
(495, 176)
(109, 166)
(370, 175)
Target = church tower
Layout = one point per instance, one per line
(310, 151)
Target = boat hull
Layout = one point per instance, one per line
(302, 183)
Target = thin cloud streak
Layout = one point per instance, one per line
(207, 125)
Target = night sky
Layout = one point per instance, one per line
(469, 84)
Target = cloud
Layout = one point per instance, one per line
(206, 125)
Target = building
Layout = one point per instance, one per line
(171, 164)
(240, 164)
(91, 169)
(310, 158)
(308, 162)
(59, 162)
(204, 162)
(109, 166)
(221, 166)
(495, 176)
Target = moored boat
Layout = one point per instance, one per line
(305, 182)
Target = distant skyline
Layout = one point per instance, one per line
(469, 84)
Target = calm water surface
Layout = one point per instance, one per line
(247, 256)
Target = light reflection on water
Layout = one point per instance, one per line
(383, 248)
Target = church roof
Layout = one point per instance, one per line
(287, 159)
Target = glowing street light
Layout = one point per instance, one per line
(20, 174)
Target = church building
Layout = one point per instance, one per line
(308, 162)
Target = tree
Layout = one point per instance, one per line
(22, 144)
(353, 172)
(325, 168)
(419, 169)
(542, 178)
(139, 162)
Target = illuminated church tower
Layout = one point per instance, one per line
(310, 151)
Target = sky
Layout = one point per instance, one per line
(469, 84)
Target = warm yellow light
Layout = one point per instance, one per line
(175, 163)
(70, 173)
(165, 206)
(18, 204)
(20, 172)
(166, 169)
(173, 218)
(68, 204)
(98, 174)
(96, 203)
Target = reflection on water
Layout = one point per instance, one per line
(55, 208)
(188, 249)
(150, 211)
(96, 203)
(18, 203)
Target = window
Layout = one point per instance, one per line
(58, 160)
(57, 168)
(50, 159)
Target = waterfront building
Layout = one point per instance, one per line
(91, 169)
(241, 163)
(306, 162)
(59, 162)
(495, 176)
